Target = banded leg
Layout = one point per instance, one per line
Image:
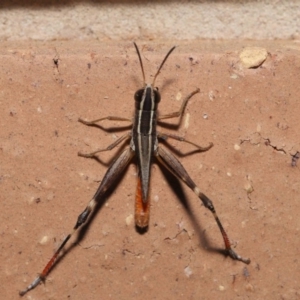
(110, 177)
(166, 136)
(108, 148)
(110, 118)
(172, 163)
(179, 113)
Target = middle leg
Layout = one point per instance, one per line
(108, 148)
(179, 113)
(166, 136)
(110, 118)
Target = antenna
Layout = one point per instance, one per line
(140, 59)
(161, 65)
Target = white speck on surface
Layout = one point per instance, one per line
(156, 198)
(229, 174)
(258, 128)
(243, 223)
(178, 96)
(81, 174)
(31, 199)
(237, 147)
(221, 288)
(44, 240)
(205, 116)
(39, 109)
(188, 271)
(180, 225)
(187, 121)
(249, 188)
(129, 219)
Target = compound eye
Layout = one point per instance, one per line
(139, 95)
(156, 95)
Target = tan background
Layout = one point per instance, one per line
(251, 115)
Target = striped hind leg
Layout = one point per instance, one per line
(173, 164)
(110, 177)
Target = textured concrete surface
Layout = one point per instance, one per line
(128, 20)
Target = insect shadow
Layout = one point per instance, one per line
(178, 190)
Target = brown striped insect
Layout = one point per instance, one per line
(144, 144)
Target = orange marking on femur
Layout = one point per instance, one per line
(226, 239)
(142, 210)
(49, 266)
